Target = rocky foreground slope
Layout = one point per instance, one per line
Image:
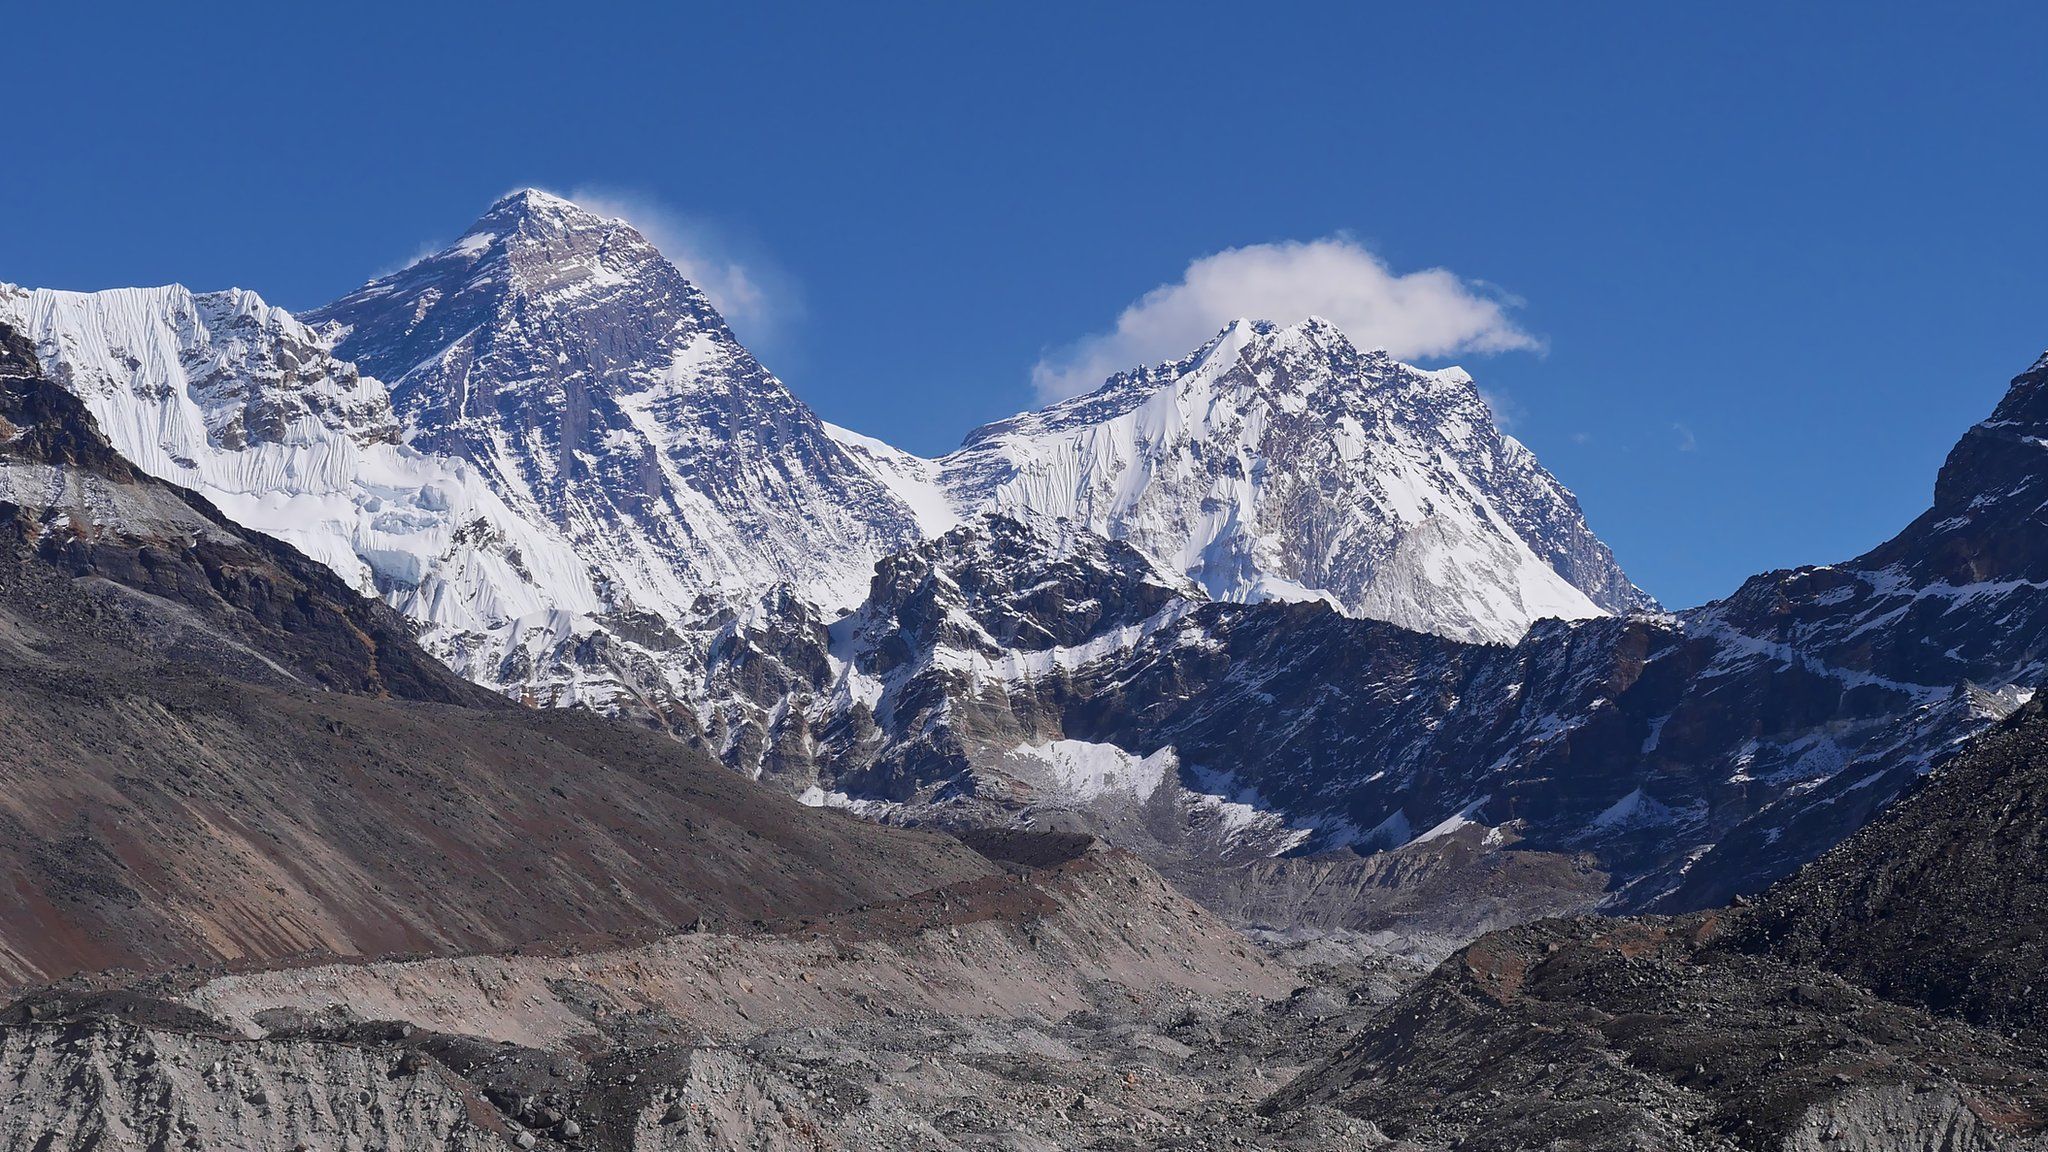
(1074, 1001)
(1887, 996)
(1060, 1002)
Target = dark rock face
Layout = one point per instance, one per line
(1885, 996)
(1927, 639)
(46, 424)
(999, 588)
(219, 752)
(156, 568)
(994, 599)
(1602, 1034)
(1943, 900)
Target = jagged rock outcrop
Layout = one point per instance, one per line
(1600, 1034)
(1943, 900)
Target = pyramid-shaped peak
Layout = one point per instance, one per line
(534, 202)
(531, 212)
(1254, 341)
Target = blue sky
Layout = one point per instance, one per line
(1774, 259)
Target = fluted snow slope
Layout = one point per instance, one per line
(223, 394)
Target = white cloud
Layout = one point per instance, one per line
(1429, 313)
(1687, 442)
(753, 293)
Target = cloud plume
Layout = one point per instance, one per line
(1428, 313)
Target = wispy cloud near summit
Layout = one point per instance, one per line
(1433, 312)
(752, 292)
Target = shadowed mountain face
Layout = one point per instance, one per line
(111, 565)
(1942, 901)
(217, 751)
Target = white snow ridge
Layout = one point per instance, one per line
(1282, 463)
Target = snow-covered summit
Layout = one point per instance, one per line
(600, 391)
(1284, 463)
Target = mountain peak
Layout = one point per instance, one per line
(1284, 463)
(1987, 497)
(534, 232)
(535, 212)
(1319, 328)
(535, 200)
(600, 390)
(1313, 340)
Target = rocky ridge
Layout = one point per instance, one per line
(1882, 997)
(1692, 756)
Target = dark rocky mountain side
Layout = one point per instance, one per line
(1887, 996)
(215, 751)
(113, 565)
(1943, 901)
(1666, 761)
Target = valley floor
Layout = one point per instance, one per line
(1079, 1005)
(1071, 999)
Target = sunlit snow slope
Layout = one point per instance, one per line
(223, 394)
(1283, 463)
